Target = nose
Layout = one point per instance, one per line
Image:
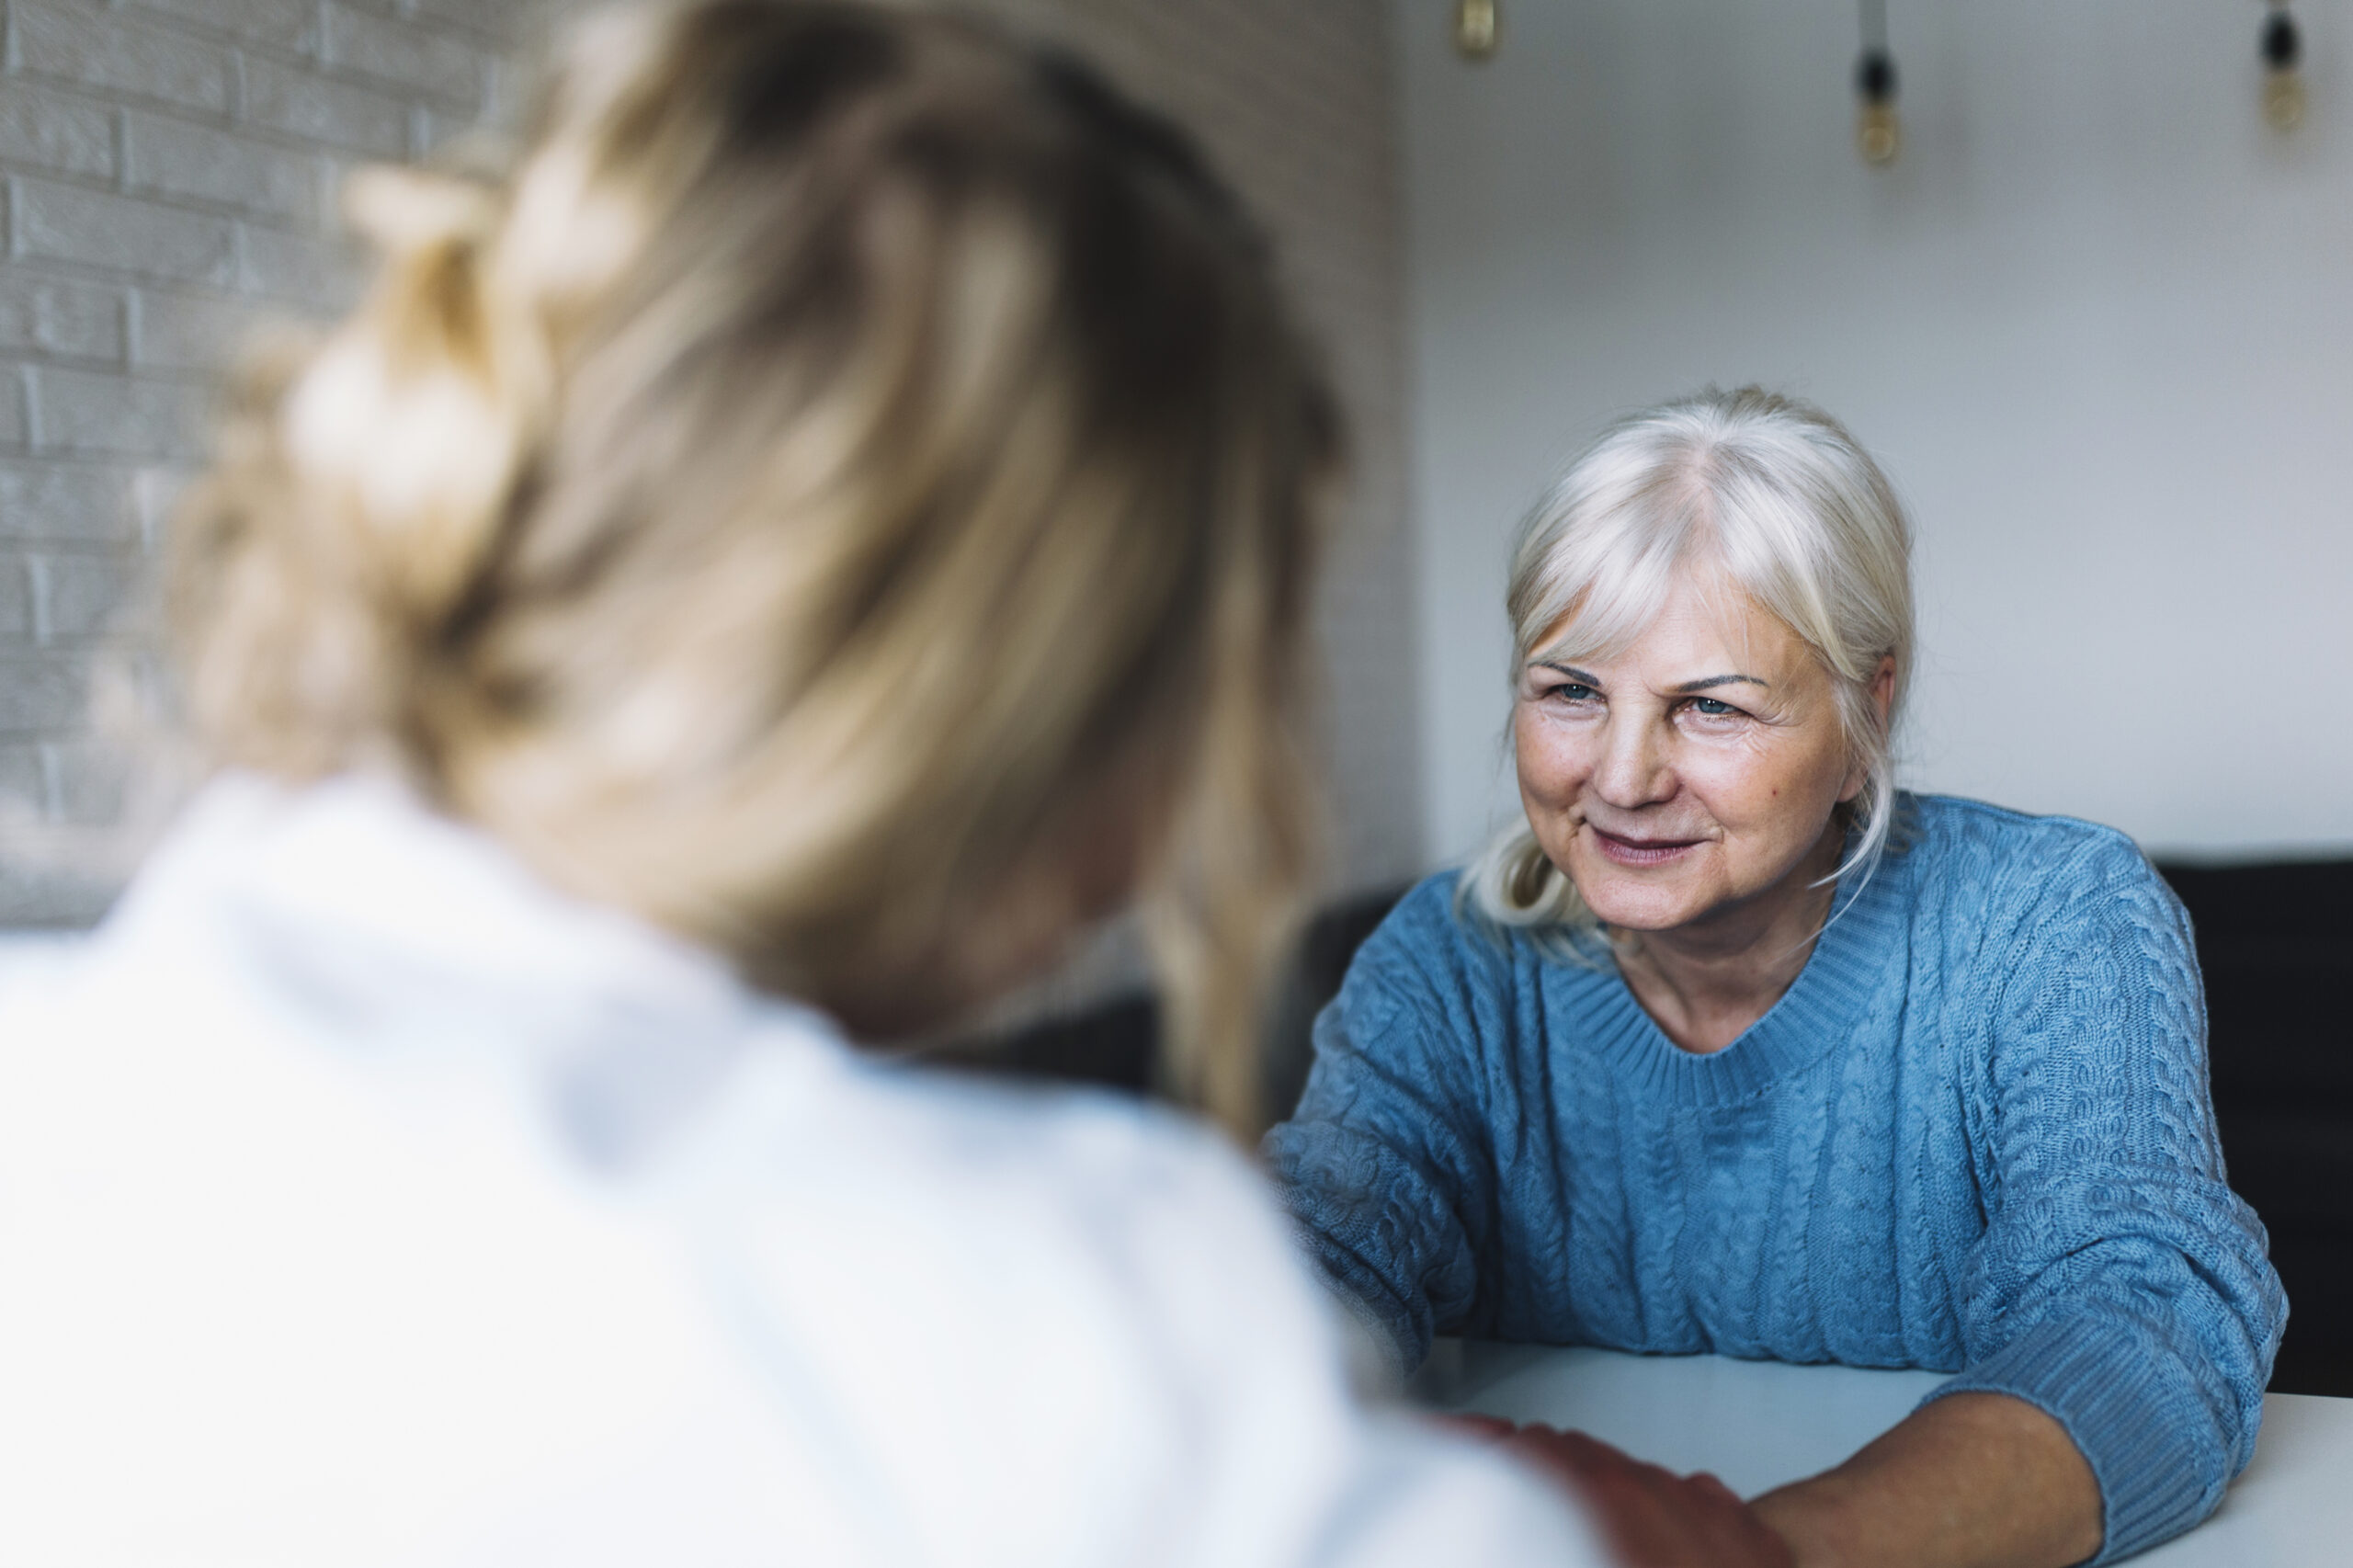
(1632, 771)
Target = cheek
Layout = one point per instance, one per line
(1768, 787)
(1552, 760)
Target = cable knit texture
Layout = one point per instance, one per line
(1974, 1136)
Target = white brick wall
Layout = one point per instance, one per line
(169, 170)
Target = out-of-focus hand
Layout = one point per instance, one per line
(1652, 1517)
(1489, 1428)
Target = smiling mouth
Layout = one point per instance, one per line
(1639, 851)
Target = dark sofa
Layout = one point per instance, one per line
(2276, 943)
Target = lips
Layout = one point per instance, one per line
(1638, 852)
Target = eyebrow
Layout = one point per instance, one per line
(1689, 687)
(1585, 678)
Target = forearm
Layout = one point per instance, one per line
(1379, 1222)
(1973, 1481)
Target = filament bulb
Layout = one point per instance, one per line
(1879, 134)
(2283, 100)
(2283, 83)
(1474, 29)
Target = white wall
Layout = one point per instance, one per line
(2098, 323)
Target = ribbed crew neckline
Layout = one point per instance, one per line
(1819, 1010)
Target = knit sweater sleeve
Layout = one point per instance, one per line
(2119, 1286)
(1386, 1162)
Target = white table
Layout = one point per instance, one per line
(1758, 1424)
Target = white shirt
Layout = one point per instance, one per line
(364, 1202)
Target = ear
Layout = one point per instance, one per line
(1883, 700)
(1883, 689)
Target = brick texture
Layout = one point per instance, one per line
(168, 169)
(62, 317)
(18, 615)
(168, 157)
(94, 231)
(299, 102)
(56, 131)
(84, 502)
(85, 411)
(24, 785)
(406, 57)
(282, 22)
(124, 59)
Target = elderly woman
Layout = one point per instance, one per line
(1734, 1047)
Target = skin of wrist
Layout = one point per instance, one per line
(1815, 1517)
(1972, 1481)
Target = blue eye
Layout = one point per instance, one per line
(1574, 691)
(1712, 708)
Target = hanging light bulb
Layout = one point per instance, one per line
(1474, 29)
(2283, 85)
(1878, 134)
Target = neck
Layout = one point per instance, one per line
(1705, 983)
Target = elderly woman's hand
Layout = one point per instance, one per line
(1652, 1517)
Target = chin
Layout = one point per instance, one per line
(1641, 915)
(1635, 901)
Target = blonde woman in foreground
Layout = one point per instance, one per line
(765, 572)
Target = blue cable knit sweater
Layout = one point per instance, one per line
(1974, 1136)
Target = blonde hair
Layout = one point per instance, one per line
(1775, 496)
(839, 442)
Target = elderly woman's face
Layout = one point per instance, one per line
(1694, 771)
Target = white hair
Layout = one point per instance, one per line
(1779, 498)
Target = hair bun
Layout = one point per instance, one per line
(407, 212)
